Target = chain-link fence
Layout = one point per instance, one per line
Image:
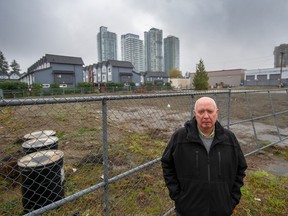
(99, 155)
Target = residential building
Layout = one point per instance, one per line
(112, 71)
(14, 75)
(132, 51)
(64, 70)
(171, 54)
(107, 45)
(281, 56)
(154, 77)
(88, 75)
(153, 50)
(121, 71)
(4, 75)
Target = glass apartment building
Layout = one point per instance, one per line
(107, 45)
(171, 54)
(153, 50)
(132, 50)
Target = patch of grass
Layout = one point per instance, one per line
(263, 194)
(9, 207)
(142, 194)
(84, 131)
(263, 142)
(280, 151)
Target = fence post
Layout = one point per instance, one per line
(192, 106)
(229, 106)
(251, 117)
(274, 116)
(217, 103)
(105, 155)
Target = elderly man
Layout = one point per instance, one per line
(203, 165)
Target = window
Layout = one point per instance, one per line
(64, 78)
(109, 77)
(103, 78)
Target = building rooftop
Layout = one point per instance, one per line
(155, 74)
(64, 59)
(50, 58)
(117, 63)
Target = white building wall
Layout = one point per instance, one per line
(274, 76)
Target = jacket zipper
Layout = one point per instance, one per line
(219, 163)
(197, 159)
(197, 163)
(208, 162)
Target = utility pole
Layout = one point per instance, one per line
(281, 65)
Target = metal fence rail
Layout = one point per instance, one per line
(112, 147)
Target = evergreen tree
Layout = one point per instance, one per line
(15, 66)
(200, 80)
(4, 66)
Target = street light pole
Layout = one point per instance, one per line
(281, 65)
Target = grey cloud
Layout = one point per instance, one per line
(224, 33)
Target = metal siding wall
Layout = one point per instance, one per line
(44, 76)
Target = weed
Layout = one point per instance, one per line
(263, 194)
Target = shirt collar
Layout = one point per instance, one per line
(211, 135)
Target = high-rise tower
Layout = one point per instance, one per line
(132, 51)
(153, 50)
(281, 54)
(107, 45)
(171, 54)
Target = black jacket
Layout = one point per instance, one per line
(202, 184)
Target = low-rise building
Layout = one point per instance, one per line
(230, 77)
(64, 70)
(121, 71)
(224, 78)
(111, 71)
(4, 76)
(266, 77)
(181, 83)
(154, 77)
(14, 75)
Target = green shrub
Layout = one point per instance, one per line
(84, 84)
(13, 85)
(54, 85)
(37, 86)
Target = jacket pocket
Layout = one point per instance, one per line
(221, 200)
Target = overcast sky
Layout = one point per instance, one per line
(226, 34)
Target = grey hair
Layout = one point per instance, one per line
(205, 98)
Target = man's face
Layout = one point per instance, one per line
(206, 114)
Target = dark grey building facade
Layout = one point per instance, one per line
(111, 71)
(64, 70)
(154, 77)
